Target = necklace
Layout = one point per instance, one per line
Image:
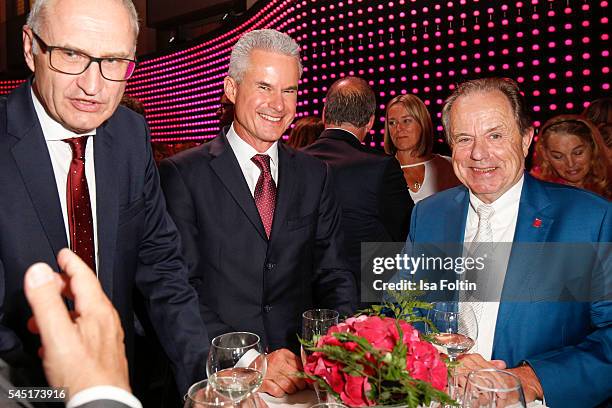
(413, 185)
(407, 166)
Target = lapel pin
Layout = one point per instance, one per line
(537, 223)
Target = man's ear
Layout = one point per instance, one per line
(370, 124)
(526, 140)
(28, 47)
(231, 88)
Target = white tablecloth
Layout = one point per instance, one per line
(307, 398)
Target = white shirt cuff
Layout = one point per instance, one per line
(103, 392)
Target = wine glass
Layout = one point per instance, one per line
(455, 333)
(202, 395)
(236, 365)
(493, 388)
(315, 324)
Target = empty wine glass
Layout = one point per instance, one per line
(493, 388)
(316, 323)
(201, 395)
(455, 333)
(236, 365)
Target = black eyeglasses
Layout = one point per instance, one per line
(72, 62)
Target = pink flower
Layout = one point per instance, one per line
(423, 361)
(355, 391)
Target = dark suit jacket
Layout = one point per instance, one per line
(138, 243)
(245, 281)
(568, 344)
(370, 186)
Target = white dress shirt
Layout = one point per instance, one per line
(103, 392)
(244, 152)
(61, 156)
(503, 224)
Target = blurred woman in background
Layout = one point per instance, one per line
(306, 131)
(409, 136)
(570, 150)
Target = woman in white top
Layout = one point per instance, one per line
(409, 136)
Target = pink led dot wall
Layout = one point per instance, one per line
(557, 49)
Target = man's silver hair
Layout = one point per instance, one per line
(506, 86)
(265, 40)
(37, 16)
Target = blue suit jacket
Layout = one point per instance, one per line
(568, 344)
(138, 243)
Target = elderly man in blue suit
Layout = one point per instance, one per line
(561, 351)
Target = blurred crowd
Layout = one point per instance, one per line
(572, 149)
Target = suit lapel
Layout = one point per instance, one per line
(107, 206)
(32, 158)
(532, 226)
(286, 183)
(455, 216)
(226, 167)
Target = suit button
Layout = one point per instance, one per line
(267, 308)
(270, 266)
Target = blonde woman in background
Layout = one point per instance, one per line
(570, 151)
(409, 136)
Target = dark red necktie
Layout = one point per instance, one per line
(80, 221)
(265, 191)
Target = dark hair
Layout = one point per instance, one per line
(305, 132)
(597, 178)
(599, 111)
(417, 109)
(133, 104)
(506, 86)
(354, 104)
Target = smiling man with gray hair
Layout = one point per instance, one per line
(259, 221)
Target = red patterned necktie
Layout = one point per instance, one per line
(80, 221)
(265, 191)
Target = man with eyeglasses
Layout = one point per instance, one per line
(77, 171)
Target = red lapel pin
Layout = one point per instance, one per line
(537, 223)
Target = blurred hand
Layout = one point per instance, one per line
(84, 349)
(531, 384)
(281, 375)
(473, 362)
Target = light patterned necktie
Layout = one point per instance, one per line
(265, 192)
(480, 245)
(485, 231)
(80, 221)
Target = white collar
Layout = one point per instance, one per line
(52, 130)
(509, 199)
(244, 152)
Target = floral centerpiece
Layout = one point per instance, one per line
(373, 359)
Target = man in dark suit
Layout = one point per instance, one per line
(105, 202)
(259, 222)
(560, 350)
(375, 202)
